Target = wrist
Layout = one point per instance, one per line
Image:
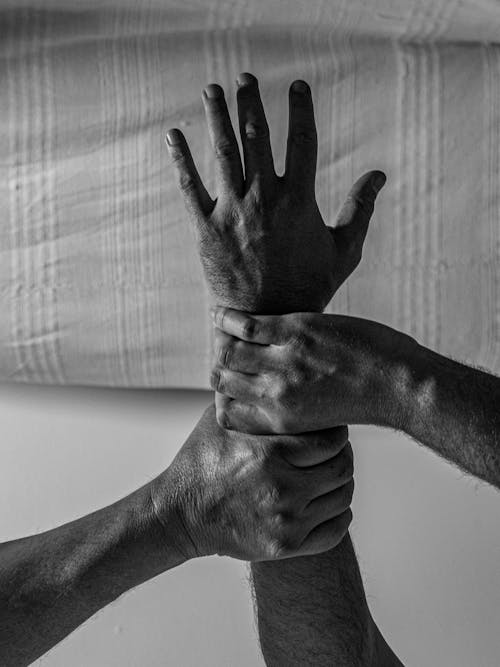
(100, 556)
(397, 382)
(139, 549)
(166, 506)
(277, 300)
(412, 389)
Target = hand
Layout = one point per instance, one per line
(308, 371)
(263, 239)
(259, 498)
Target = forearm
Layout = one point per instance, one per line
(313, 611)
(52, 582)
(454, 409)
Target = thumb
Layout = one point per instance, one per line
(352, 222)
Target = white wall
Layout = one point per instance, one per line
(427, 537)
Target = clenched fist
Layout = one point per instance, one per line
(258, 498)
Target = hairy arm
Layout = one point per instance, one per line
(451, 408)
(313, 611)
(52, 582)
(265, 248)
(333, 369)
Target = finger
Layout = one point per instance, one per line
(229, 172)
(302, 142)
(352, 222)
(196, 198)
(241, 386)
(262, 329)
(329, 505)
(254, 131)
(222, 404)
(308, 450)
(327, 535)
(238, 355)
(324, 478)
(245, 418)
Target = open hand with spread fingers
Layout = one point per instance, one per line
(309, 371)
(262, 240)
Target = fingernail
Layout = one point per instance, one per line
(245, 78)
(173, 137)
(378, 181)
(213, 312)
(213, 91)
(300, 87)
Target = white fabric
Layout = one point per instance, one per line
(100, 282)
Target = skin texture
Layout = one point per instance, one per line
(263, 240)
(452, 408)
(52, 582)
(306, 371)
(309, 371)
(259, 498)
(269, 251)
(299, 489)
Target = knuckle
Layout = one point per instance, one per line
(300, 326)
(249, 328)
(282, 520)
(261, 390)
(257, 131)
(293, 321)
(282, 423)
(226, 354)
(177, 156)
(225, 149)
(277, 547)
(277, 390)
(298, 339)
(186, 182)
(364, 203)
(276, 495)
(283, 544)
(299, 374)
(304, 136)
(217, 380)
(283, 392)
